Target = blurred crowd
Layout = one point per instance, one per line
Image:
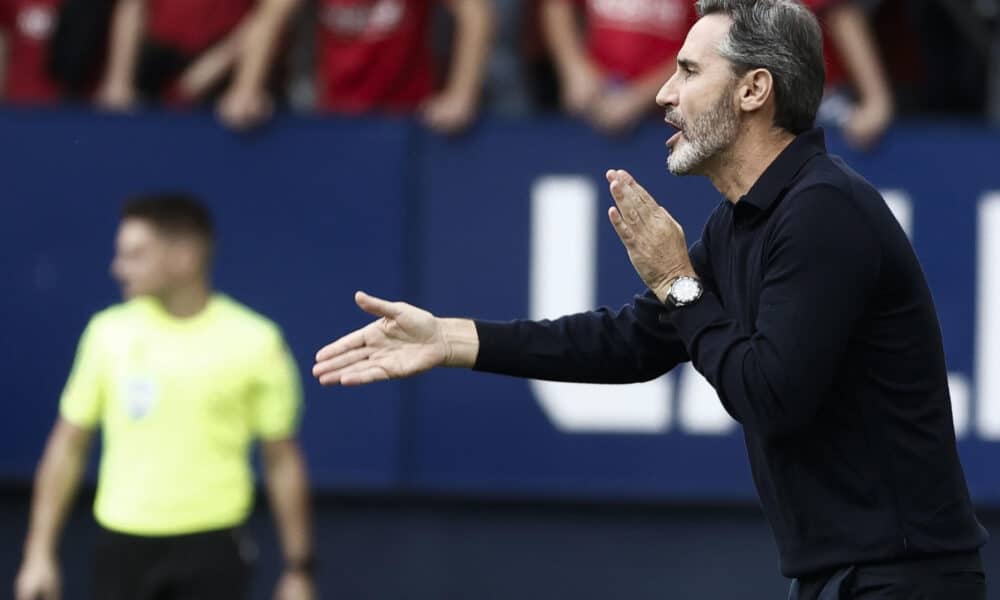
(449, 60)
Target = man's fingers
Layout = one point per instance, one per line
(328, 379)
(617, 192)
(333, 377)
(614, 216)
(645, 203)
(363, 374)
(632, 186)
(377, 306)
(621, 227)
(369, 304)
(643, 198)
(350, 341)
(634, 203)
(625, 201)
(341, 361)
(370, 370)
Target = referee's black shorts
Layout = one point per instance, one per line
(214, 565)
(950, 577)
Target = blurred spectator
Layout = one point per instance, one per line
(52, 49)
(187, 51)
(78, 46)
(858, 94)
(610, 72)
(181, 380)
(506, 88)
(375, 55)
(898, 45)
(26, 26)
(956, 40)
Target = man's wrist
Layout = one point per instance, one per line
(461, 341)
(662, 289)
(36, 552)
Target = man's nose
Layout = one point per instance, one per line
(667, 96)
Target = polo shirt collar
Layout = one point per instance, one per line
(782, 171)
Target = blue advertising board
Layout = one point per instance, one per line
(502, 223)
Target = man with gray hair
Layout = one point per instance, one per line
(803, 304)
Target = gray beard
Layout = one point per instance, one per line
(705, 137)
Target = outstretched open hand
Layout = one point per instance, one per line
(404, 341)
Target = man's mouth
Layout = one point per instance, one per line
(677, 135)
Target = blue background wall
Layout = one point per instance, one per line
(310, 210)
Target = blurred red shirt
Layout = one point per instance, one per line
(193, 25)
(835, 73)
(374, 54)
(628, 38)
(27, 26)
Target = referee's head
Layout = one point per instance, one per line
(164, 242)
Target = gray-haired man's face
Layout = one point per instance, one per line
(699, 99)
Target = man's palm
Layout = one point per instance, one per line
(404, 341)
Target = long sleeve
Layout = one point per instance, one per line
(601, 346)
(635, 343)
(819, 272)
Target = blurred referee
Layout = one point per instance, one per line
(181, 380)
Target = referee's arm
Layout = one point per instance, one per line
(278, 413)
(57, 481)
(62, 466)
(287, 484)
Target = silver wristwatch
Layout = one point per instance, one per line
(684, 291)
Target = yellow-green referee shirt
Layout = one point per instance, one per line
(179, 402)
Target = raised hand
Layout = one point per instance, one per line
(654, 240)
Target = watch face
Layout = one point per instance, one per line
(685, 290)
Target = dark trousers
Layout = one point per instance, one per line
(214, 565)
(951, 577)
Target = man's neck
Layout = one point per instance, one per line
(739, 168)
(186, 300)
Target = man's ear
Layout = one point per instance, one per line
(756, 86)
(187, 256)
